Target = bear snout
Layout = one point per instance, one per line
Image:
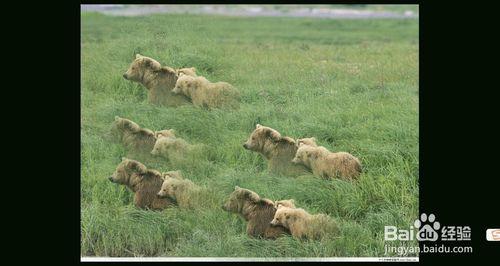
(245, 146)
(158, 195)
(111, 179)
(125, 75)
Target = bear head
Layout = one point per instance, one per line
(290, 203)
(238, 198)
(284, 216)
(305, 153)
(128, 172)
(165, 133)
(140, 66)
(185, 84)
(307, 141)
(261, 137)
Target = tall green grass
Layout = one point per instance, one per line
(352, 84)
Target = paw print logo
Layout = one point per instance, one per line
(428, 227)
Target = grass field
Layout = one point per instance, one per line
(352, 84)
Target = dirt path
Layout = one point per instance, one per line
(313, 11)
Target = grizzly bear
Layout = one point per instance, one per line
(206, 94)
(304, 225)
(326, 164)
(256, 211)
(136, 140)
(143, 182)
(182, 191)
(290, 203)
(278, 150)
(158, 80)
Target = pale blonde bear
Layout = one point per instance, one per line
(276, 149)
(206, 94)
(168, 145)
(158, 80)
(326, 164)
(182, 191)
(303, 225)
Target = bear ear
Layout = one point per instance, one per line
(252, 196)
(117, 118)
(138, 167)
(273, 135)
(301, 143)
(124, 159)
(155, 66)
(138, 56)
(258, 126)
(193, 69)
(236, 188)
(181, 74)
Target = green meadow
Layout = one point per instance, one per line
(352, 84)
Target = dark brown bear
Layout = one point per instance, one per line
(145, 183)
(256, 211)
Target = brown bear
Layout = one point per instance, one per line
(182, 191)
(278, 150)
(158, 80)
(290, 203)
(304, 225)
(136, 140)
(144, 182)
(258, 212)
(206, 94)
(326, 164)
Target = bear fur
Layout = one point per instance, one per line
(132, 136)
(290, 203)
(158, 80)
(173, 174)
(258, 212)
(278, 151)
(303, 225)
(182, 191)
(206, 94)
(326, 164)
(190, 71)
(143, 182)
(307, 141)
(165, 133)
